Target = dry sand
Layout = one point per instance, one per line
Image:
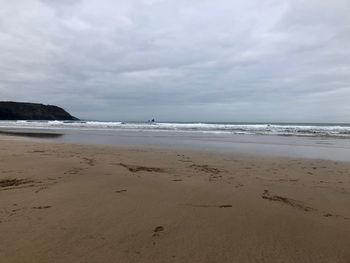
(78, 203)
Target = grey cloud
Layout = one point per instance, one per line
(179, 60)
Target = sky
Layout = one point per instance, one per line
(179, 60)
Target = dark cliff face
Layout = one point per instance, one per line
(32, 111)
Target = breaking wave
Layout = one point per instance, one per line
(329, 130)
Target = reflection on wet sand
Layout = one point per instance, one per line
(32, 134)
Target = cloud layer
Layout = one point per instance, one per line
(273, 60)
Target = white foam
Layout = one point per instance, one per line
(257, 129)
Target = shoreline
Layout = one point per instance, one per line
(90, 203)
(254, 145)
(50, 139)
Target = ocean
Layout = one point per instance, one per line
(275, 129)
(318, 141)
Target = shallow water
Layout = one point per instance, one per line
(263, 145)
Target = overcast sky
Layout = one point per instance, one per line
(179, 60)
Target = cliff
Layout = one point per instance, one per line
(32, 111)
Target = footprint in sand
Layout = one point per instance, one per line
(89, 161)
(137, 168)
(288, 201)
(184, 158)
(120, 191)
(41, 207)
(209, 206)
(14, 182)
(75, 170)
(177, 180)
(224, 206)
(157, 230)
(205, 168)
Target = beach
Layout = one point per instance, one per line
(65, 202)
(159, 131)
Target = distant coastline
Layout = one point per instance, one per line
(10, 110)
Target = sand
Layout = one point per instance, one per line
(80, 203)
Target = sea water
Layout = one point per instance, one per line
(319, 141)
(277, 129)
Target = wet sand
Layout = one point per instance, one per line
(80, 203)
